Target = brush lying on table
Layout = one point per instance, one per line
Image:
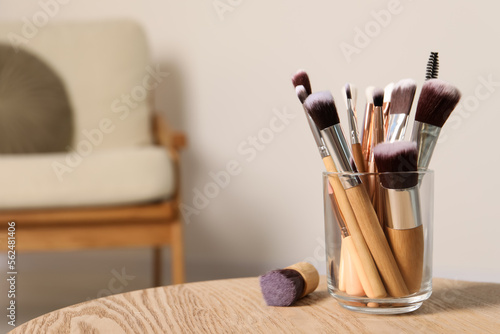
(283, 287)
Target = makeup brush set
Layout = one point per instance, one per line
(374, 178)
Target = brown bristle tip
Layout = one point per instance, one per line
(378, 97)
(348, 91)
(398, 159)
(437, 100)
(402, 96)
(301, 78)
(281, 287)
(321, 107)
(301, 93)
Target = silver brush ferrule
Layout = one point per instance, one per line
(403, 208)
(353, 125)
(397, 127)
(341, 154)
(323, 150)
(426, 137)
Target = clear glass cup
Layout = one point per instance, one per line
(413, 207)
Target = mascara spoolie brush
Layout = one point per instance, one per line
(432, 69)
(321, 107)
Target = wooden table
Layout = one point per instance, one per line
(236, 306)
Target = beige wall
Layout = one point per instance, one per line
(231, 76)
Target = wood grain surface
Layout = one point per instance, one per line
(236, 306)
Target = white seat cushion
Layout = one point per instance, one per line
(105, 177)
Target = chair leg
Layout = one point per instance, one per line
(177, 247)
(157, 266)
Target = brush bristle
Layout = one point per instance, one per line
(378, 97)
(388, 92)
(321, 107)
(301, 78)
(282, 287)
(354, 94)
(402, 96)
(397, 158)
(369, 94)
(348, 91)
(437, 101)
(301, 93)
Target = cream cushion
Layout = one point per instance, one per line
(101, 63)
(105, 177)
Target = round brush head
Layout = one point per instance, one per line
(321, 107)
(301, 78)
(398, 159)
(282, 287)
(437, 101)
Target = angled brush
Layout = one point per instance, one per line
(435, 104)
(367, 125)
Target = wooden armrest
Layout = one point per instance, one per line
(165, 136)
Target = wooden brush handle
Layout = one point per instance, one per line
(353, 270)
(342, 273)
(360, 162)
(376, 241)
(310, 275)
(373, 284)
(408, 249)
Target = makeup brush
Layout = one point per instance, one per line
(386, 107)
(301, 78)
(350, 265)
(283, 287)
(378, 133)
(435, 104)
(366, 135)
(403, 217)
(432, 69)
(354, 133)
(365, 267)
(402, 99)
(321, 107)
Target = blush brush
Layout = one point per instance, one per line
(401, 102)
(435, 104)
(321, 107)
(397, 163)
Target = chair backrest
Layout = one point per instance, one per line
(105, 66)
